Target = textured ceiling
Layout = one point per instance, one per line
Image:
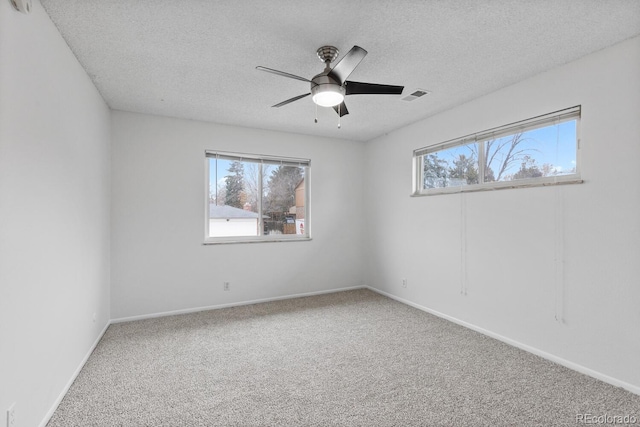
(196, 59)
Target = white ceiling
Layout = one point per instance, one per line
(196, 59)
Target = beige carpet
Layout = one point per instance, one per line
(346, 359)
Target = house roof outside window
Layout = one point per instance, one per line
(229, 212)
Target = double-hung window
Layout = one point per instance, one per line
(538, 151)
(256, 198)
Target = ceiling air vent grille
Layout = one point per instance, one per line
(416, 94)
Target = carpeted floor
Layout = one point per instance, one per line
(346, 359)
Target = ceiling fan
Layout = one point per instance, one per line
(329, 88)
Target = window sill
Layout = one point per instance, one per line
(490, 186)
(234, 240)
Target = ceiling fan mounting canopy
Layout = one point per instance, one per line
(329, 88)
(328, 53)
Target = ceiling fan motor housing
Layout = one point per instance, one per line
(326, 91)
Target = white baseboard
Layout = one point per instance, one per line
(73, 378)
(566, 363)
(232, 304)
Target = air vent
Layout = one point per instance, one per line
(416, 94)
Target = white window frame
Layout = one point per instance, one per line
(261, 159)
(569, 114)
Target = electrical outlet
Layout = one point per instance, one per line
(404, 283)
(11, 415)
(227, 286)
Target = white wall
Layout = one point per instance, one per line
(54, 163)
(501, 246)
(159, 184)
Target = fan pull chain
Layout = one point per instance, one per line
(316, 120)
(339, 116)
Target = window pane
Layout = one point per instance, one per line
(453, 167)
(233, 198)
(283, 202)
(541, 152)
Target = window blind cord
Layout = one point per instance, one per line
(557, 140)
(463, 245)
(559, 257)
(216, 184)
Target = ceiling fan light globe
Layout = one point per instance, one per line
(328, 99)
(328, 95)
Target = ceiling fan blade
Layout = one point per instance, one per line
(288, 101)
(283, 74)
(348, 63)
(342, 110)
(358, 88)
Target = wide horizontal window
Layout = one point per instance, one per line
(539, 151)
(256, 198)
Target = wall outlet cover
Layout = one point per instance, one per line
(11, 415)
